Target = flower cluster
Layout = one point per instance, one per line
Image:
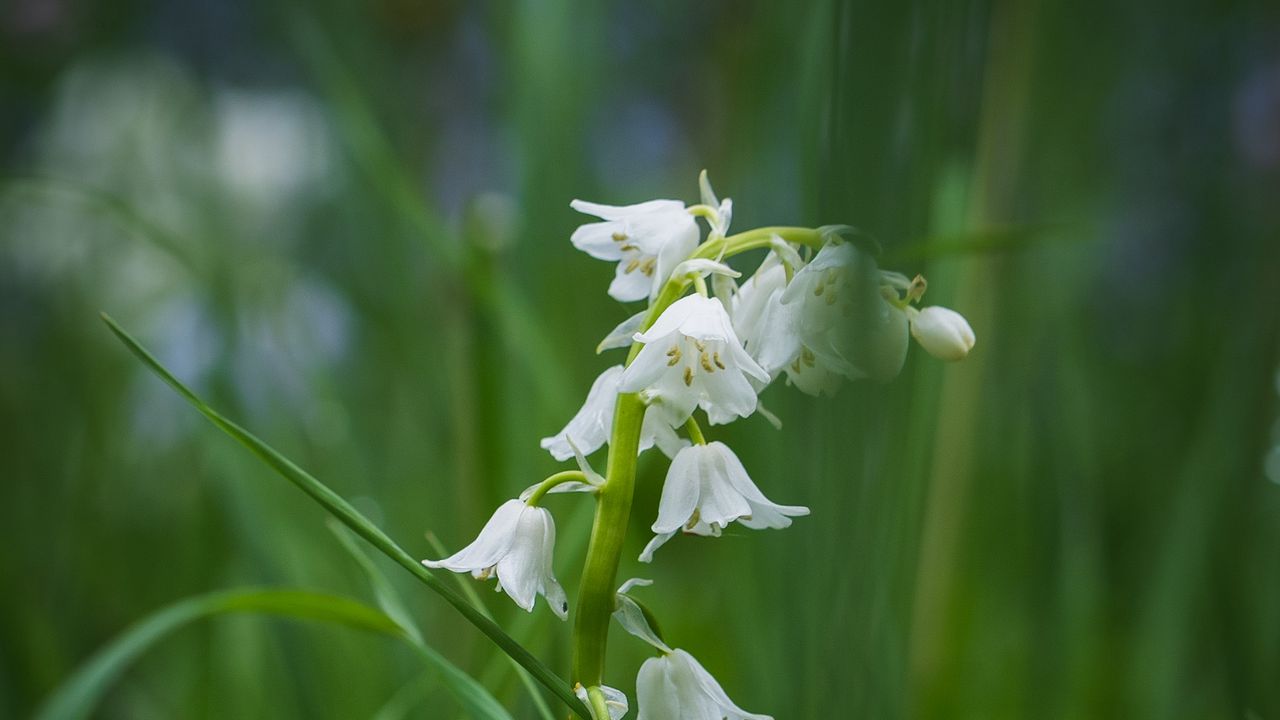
(817, 311)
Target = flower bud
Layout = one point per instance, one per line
(943, 332)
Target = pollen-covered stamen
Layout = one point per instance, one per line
(675, 354)
(716, 357)
(486, 573)
(619, 237)
(647, 267)
(807, 357)
(688, 376)
(705, 361)
(631, 266)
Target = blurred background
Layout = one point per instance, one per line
(346, 225)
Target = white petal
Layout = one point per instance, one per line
(728, 395)
(695, 701)
(704, 189)
(596, 240)
(707, 321)
(655, 692)
(654, 430)
(632, 618)
(634, 583)
(719, 502)
(493, 542)
(671, 398)
(551, 588)
(887, 339)
(629, 286)
(673, 318)
(704, 267)
(591, 426)
(658, 541)
(680, 491)
(677, 245)
(764, 513)
(649, 365)
(521, 570)
(621, 336)
(622, 212)
(711, 688)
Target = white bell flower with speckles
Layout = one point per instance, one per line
(516, 547)
(647, 240)
(590, 428)
(675, 685)
(692, 358)
(706, 489)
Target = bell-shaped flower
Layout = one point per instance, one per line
(848, 327)
(706, 489)
(515, 546)
(591, 427)
(943, 332)
(692, 358)
(614, 700)
(674, 685)
(647, 240)
(766, 327)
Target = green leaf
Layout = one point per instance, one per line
(361, 525)
(77, 697)
(476, 700)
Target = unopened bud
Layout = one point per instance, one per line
(943, 332)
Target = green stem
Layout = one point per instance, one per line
(559, 478)
(613, 499)
(598, 705)
(695, 431)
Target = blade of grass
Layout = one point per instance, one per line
(350, 517)
(77, 697)
(470, 694)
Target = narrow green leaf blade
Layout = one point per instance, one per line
(77, 697)
(361, 525)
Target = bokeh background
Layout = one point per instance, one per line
(346, 224)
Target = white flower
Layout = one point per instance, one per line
(847, 326)
(766, 327)
(648, 240)
(615, 700)
(676, 686)
(943, 332)
(591, 427)
(516, 546)
(692, 358)
(706, 489)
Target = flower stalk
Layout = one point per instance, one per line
(613, 498)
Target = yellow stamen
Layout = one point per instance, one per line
(688, 376)
(716, 357)
(706, 362)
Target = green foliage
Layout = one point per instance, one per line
(345, 225)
